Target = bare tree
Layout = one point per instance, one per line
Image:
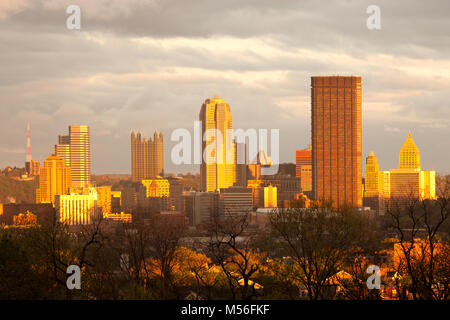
(318, 240)
(231, 248)
(422, 248)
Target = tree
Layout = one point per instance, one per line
(318, 240)
(421, 252)
(231, 248)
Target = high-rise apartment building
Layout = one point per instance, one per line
(336, 139)
(217, 169)
(54, 179)
(147, 157)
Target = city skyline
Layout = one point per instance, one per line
(261, 69)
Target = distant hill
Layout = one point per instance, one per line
(12, 190)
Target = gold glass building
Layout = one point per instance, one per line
(217, 168)
(373, 184)
(54, 179)
(409, 181)
(270, 197)
(336, 139)
(398, 185)
(147, 156)
(80, 155)
(156, 188)
(76, 209)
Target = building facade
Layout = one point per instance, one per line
(336, 140)
(303, 168)
(217, 168)
(80, 155)
(77, 209)
(147, 156)
(54, 179)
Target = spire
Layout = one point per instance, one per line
(29, 157)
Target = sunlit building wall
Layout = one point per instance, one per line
(54, 179)
(336, 139)
(80, 155)
(373, 184)
(156, 188)
(217, 169)
(147, 156)
(270, 197)
(77, 209)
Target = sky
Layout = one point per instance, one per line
(150, 64)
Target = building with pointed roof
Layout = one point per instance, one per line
(396, 185)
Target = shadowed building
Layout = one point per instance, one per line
(147, 157)
(336, 140)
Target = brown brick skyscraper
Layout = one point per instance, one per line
(336, 139)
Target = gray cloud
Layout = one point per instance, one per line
(150, 64)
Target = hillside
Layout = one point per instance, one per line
(12, 190)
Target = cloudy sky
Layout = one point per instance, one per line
(149, 64)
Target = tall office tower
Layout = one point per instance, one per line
(218, 171)
(336, 139)
(62, 149)
(54, 179)
(147, 157)
(303, 168)
(80, 155)
(373, 184)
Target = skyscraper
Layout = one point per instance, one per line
(147, 157)
(373, 184)
(217, 169)
(80, 155)
(54, 179)
(303, 168)
(62, 149)
(336, 139)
